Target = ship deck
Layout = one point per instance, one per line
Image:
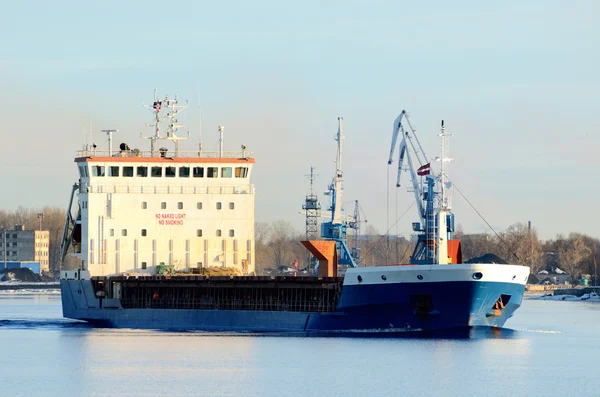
(295, 294)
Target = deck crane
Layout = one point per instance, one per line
(354, 222)
(436, 221)
(336, 228)
(405, 148)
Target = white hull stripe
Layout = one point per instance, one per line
(482, 272)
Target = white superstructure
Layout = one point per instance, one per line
(141, 209)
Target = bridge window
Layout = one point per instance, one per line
(226, 172)
(231, 206)
(128, 171)
(113, 171)
(142, 172)
(180, 205)
(219, 206)
(144, 205)
(184, 172)
(156, 172)
(111, 232)
(199, 232)
(198, 172)
(124, 232)
(144, 232)
(97, 170)
(241, 172)
(144, 265)
(199, 205)
(163, 205)
(212, 172)
(170, 172)
(218, 232)
(231, 233)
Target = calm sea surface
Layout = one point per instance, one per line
(549, 349)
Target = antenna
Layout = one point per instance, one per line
(221, 130)
(444, 183)
(174, 108)
(312, 206)
(337, 208)
(109, 133)
(199, 119)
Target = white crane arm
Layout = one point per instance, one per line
(416, 188)
(402, 150)
(395, 132)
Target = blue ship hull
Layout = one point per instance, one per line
(380, 307)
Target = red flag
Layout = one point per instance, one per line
(424, 170)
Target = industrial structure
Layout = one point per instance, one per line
(333, 250)
(20, 246)
(312, 208)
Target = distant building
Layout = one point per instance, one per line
(554, 276)
(22, 245)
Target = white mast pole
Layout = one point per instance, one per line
(109, 133)
(221, 129)
(199, 120)
(91, 134)
(337, 210)
(443, 166)
(444, 204)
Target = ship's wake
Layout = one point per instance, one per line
(43, 324)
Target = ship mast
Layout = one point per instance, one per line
(337, 189)
(444, 211)
(445, 184)
(336, 228)
(173, 109)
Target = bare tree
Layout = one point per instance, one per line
(522, 244)
(53, 221)
(571, 255)
(281, 234)
(262, 231)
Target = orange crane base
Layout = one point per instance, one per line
(326, 253)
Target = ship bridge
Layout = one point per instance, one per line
(141, 211)
(190, 211)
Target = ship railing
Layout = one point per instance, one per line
(231, 304)
(237, 189)
(136, 153)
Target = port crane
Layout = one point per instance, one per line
(431, 192)
(337, 227)
(354, 222)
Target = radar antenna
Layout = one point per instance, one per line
(172, 109)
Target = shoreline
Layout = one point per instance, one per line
(29, 288)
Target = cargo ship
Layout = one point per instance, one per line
(145, 226)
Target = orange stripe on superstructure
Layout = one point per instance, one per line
(164, 160)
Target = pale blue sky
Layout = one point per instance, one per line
(516, 82)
